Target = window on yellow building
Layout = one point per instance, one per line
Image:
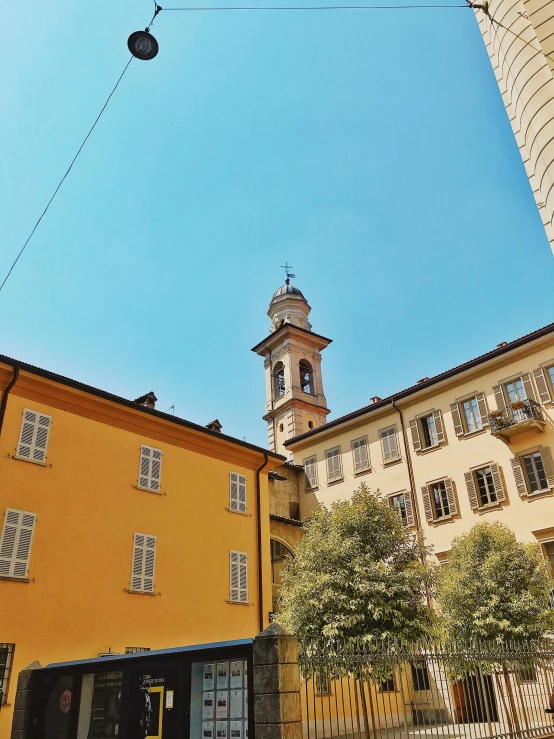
(334, 465)
(402, 502)
(237, 492)
(533, 472)
(427, 431)
(389, 444)
(33, 436)
(238, 576)
(439, 500)
(144, 563)
(15, 543)
(310, 473)
(485, 486)
(544, 380)
(360, 455)
(470, 415)
(150, 468)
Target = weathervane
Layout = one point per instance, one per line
(286, 266)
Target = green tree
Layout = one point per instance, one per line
(494, 588)
(358, 572)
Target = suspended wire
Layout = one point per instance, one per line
(67, 172)
(323, 7)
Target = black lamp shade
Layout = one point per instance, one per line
(143, 45)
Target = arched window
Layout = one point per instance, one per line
(306, 377)
(279, 380)
(278, 554)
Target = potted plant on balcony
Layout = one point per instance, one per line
(517, 405)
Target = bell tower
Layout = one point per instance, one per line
(295, 402)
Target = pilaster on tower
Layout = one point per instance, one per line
(295, 402)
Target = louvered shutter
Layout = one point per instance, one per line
(427, 507)
(441, 436)
(310, 471)
(471, 490)
(150, 468)
(499, 488)
(15, 544)
(483, 409)
(451, 496)
(519, 477)
(33, 437)
(238, 492)
(409, 508)
(414, 428)
(528, 386)
(457, 419)
(548, 465)
(333, 465)
(144, 562)
(389, 445)
(238, 577)
(542, 385)
(499, 397)
(360, 454)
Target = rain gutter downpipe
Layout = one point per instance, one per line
(410, 467)
(5, 394)
(260, 555)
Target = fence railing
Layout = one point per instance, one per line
(391, 690)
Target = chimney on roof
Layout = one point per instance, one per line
(502, 343)
(214, 426)
(148, 400)
(375, 399)
(423, 379)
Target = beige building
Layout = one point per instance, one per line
(473, 443)
(519, 37)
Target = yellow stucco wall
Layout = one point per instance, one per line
(88, 509)
(527, 517)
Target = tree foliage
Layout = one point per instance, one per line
(358, 572)
(494, 587)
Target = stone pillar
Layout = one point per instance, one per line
(277, 710)
(22, 702)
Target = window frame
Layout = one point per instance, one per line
(32, 444)
(384, 433)
(521, 476)
(237, 501)
(544, 383)
(149, 476)
(473, 487)
(367, 468)
(459, 417)
(304, 363)
(429, 502)
(417, 431)
(20, 526)
(238, 588)
(444, 504)
(311, 488)
(340, 475)
(408, 519)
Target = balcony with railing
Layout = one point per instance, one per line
(518, 418)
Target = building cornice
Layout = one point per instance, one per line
(290, 330)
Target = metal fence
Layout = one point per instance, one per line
(389, 690)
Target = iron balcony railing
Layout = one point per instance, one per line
(520, 412)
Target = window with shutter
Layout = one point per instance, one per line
(33, 436)
(150, 468)
(427, 431)
(238, 576)
(334, 467)
(310, 472)
(144, 563)
(534, 472)
(237, 493)
(544, 379)
(15, 543)
(389, 444)
(402, 502)
(360, 455)
(441, 499)
(485, 486)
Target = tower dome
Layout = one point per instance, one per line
(288, 305)
(289, 289)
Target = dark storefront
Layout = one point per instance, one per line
(198, 692)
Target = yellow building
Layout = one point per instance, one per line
(123, 528)
(473, 443)
(519, 37)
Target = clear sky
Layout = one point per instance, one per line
(370, 149)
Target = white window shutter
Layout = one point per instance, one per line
(528, 386)
(238, 576)
(483, 409)
(409, 508)
(427, 507)
(441, 436)
(237, 492)
(150, 468)
(499, 488)
(333, 465)
(499, 397)
(519, 477)
(457, 419)
(386, 446)
(542, 385)
(33, 437)
(471, 490)
(360, 454)
(310, 472)
(451, 496)
(144, 563)
(414, 428)
(15, 544)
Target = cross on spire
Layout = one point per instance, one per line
(287, 267)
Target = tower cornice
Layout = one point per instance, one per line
(290, 330)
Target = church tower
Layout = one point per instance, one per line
(295, 402)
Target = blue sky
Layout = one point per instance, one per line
(370, 149)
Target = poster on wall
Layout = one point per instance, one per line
(208, 680)
(222, 704)
(221, 730)
(208, 704)
(208, 730)
(236, 675)
(235, 730)
(235, 704)
(222, 675)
